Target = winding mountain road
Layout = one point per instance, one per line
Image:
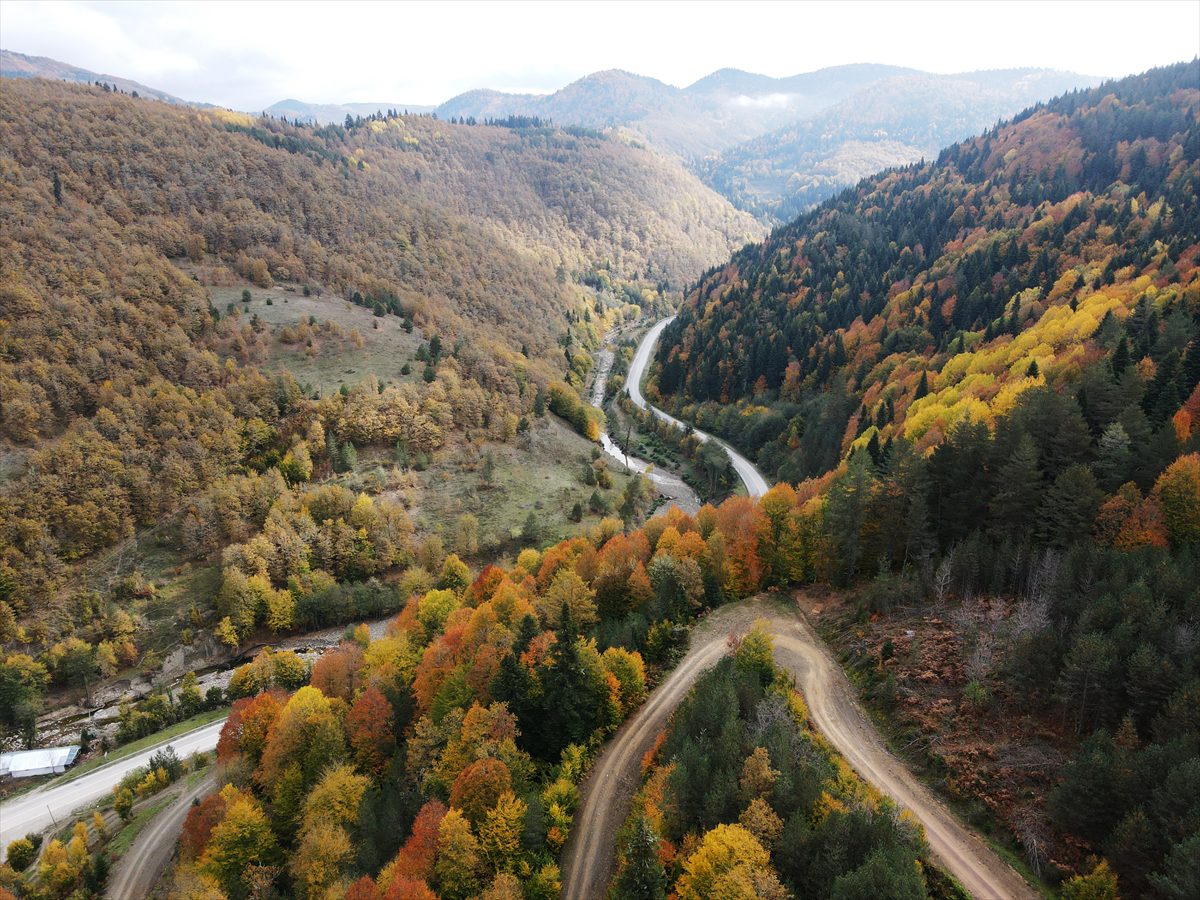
(755, 484)
(608, 792)
(670, 486)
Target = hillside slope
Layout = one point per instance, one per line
(982, 375)
(131, 379)
(929, 292)
(21, 65)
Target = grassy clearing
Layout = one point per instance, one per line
(179, 583)
(542, 473)
(386, 346)
(124, 838)
(197, 721)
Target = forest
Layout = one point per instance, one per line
(976, 380)
(743, 798)
(133, 405)
(986, 369)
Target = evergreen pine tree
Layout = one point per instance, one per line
(643, 877)
(1019, 489)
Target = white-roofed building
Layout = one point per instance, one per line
(27, 763)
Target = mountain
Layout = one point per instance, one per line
(18, 65)
(126, 340)
(776, 146)
(807, 92)
(982, 376)
(335, 113)
(890, 122)
(718, 111)
(978, 264)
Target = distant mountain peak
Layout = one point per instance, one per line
(22, 65)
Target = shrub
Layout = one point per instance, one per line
(21, 853)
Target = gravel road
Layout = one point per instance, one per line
(140, 868)
(607, 794)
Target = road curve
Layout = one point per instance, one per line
(755, 484)
(674, 488)
(608, 792)
(141, 867)
(55, 801)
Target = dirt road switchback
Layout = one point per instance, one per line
(607, 794)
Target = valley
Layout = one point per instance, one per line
(608, 486)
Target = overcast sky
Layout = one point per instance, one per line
(249, 55)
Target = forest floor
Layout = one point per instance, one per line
(991, 756)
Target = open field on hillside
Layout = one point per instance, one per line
(542, 473)
(336, 359)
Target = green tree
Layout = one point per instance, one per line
(1113, 457)
(531, 531)
(1019, 490)
(1069, 509)
(846, 509)
(643, 877)
(573, 699)
(23, 680)
(1179, 875)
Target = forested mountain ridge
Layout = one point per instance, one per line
(127, 388)
(983, 376)
(334, 113)
(21, 65)
(773, 146)
(721, 112)
(932, 291)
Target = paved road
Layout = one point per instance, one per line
(756, 485)
(141, 867)
(670, 486)
(608, 792)
(56, 800)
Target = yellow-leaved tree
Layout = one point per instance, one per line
(730, 864)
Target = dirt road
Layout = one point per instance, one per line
(140, 868)
(608, 793)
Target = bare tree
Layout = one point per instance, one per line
(1031, 831)
(942, 579)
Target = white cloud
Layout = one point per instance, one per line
(247, 55)
(763, 101)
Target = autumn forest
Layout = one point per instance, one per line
(313, 461)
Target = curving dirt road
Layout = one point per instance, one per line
(608, 793)
(140, 868)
